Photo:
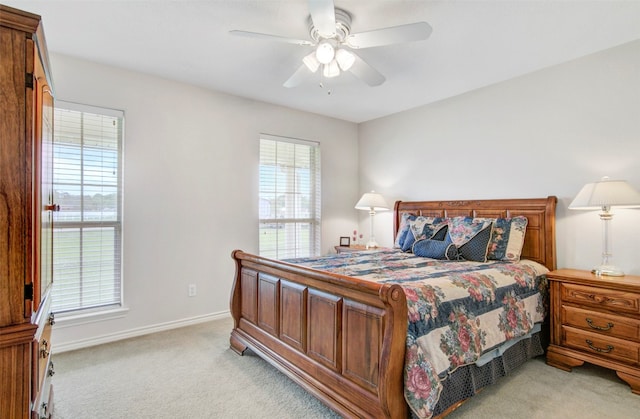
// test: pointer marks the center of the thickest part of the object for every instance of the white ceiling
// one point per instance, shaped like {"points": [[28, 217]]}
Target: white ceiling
{"points": [[474, 43]]}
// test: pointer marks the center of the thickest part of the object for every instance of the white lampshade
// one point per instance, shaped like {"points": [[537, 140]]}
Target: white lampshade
{"points": [[606, 193], [372, 201]]}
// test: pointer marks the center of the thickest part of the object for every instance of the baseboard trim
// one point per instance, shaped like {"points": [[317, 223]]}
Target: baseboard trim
{"points": [[140, 331]]}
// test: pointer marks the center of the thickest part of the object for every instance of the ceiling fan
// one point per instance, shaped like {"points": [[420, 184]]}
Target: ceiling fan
{"points": [[330, 33]]}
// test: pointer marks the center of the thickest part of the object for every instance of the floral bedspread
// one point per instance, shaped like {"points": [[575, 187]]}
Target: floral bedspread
{"points": [[458, 311]]}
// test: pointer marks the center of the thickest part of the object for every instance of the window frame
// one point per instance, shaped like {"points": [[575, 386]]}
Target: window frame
{"points": [[295, 223], [116, 306]]}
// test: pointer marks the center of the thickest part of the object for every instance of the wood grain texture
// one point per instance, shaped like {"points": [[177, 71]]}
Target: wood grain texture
{"points": [[26, 118], [15, 213], [595, 319]]}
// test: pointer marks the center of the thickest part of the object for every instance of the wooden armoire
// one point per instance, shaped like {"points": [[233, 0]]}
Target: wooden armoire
{"points": [[26, 206]]}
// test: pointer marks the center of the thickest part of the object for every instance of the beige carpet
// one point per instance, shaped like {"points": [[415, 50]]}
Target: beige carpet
{"points": [[192, 373]]}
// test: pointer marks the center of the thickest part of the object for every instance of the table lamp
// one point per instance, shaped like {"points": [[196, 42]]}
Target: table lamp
{"points": [[604, 195], [372, 202]]}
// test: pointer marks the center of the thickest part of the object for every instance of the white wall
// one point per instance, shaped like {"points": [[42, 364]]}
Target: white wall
{"points": [[546, 133], [190, 190]]}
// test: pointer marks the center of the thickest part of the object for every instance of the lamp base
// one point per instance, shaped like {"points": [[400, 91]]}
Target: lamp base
{"points": [[607, 270], [372, 244]]}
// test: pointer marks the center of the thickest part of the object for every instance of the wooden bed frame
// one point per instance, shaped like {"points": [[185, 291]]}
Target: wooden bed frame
{"points": [[342, 338]]}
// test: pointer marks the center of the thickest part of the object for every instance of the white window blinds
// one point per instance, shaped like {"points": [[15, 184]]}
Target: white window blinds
{"points": [[87, 182], [289, 208]]}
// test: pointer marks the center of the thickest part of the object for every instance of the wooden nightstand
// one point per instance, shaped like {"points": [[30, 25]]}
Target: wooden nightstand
{"points": [[595, 319], [352, 248]]}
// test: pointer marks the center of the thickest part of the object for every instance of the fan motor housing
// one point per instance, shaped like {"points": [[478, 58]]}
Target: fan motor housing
{"points": [[343, 27]]}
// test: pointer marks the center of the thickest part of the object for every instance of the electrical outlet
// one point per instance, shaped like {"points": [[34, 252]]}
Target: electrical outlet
{"points": [[192, 290]]}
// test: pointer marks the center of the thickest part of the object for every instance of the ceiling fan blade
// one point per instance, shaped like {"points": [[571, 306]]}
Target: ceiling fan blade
{"points": [[391, 35], [365, 72], [297, 77], [270, 37], [323, 16]]}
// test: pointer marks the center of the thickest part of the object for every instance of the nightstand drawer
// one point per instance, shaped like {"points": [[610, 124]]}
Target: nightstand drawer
{"points": [[603, 346], [602, 298], [606, 324]]}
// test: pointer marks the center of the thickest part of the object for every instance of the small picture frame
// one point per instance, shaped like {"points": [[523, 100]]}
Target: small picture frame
{"points": [[345, 241]]}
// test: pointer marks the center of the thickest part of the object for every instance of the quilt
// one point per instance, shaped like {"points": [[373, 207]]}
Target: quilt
{"points": [[458, 311]]}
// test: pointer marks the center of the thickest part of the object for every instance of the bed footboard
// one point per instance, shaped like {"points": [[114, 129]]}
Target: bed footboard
{"points": [[340, 338]]}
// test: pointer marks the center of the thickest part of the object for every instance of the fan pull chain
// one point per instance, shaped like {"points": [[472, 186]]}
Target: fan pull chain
{"points": [[321, 85]]}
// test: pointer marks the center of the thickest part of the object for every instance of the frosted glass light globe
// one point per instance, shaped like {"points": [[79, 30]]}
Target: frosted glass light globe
{"points": [[325, 52]]}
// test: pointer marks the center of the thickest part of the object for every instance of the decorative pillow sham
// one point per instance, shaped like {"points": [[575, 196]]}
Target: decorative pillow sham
{"points": [[422, 228], [426, 227], [436, 248], [507, 238], [462, 229], [403, 229], [408, 242], [475, 249]]}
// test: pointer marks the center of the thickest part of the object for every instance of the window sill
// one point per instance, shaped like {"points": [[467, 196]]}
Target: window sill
{"points": [[74, 319]]}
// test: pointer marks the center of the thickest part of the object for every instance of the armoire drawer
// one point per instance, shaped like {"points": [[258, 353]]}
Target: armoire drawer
{"points": [[43, 404], [43, 371], [42, 355]]}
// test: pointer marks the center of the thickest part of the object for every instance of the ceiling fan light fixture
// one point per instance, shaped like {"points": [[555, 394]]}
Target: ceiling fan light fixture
{"points": [[345, 59], [325, 52], [330, 35], [331, 69], [311, 62]]}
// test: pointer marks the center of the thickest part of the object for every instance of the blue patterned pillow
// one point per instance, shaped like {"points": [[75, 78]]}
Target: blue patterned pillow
{"points": [[475, 249], [462, 229], [436, 249], [403, 229], [422, 228], [408, 241], [426, 227], [507, 239]]}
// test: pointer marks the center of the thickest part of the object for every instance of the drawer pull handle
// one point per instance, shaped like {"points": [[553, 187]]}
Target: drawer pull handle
{"points": [[43, 351], [606, 351], [51, 370], [593, 326]]}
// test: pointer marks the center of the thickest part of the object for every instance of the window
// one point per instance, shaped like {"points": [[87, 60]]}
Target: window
{"points": [[87, 184], [289, 209]]}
